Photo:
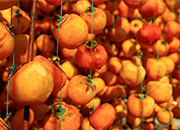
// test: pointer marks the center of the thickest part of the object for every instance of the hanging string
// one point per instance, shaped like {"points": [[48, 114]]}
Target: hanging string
{"points": [[60, 19], [92, 8], [59, 66], [12, 70]]}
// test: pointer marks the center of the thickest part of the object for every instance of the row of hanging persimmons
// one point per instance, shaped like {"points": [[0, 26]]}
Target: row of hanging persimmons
{"points": [[123, 65]]}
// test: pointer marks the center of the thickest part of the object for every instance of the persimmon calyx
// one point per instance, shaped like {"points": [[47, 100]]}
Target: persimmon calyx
{"points": [[61, 19], [17, 12], [9, 27], [56, 62], [59, 109], [141, 96], [90, 10], [5, 120], [88, 80], [91, 44]]}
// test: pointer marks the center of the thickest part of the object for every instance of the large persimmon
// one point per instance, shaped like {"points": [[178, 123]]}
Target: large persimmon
{"points": [[155, 68], [140, 105], [99, 19], [31, 84], [165, 116], [74, 27], [91, 59], [59, 76], [20, 19], [148, 35], [159, 91], [103, 116], [131, 73], [80, 89], [70, 118]]}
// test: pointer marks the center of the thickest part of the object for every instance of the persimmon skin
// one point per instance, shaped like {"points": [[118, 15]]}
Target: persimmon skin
{"points": [[84, 58], [75, 30], [99, 20], [7, 43], [70, 121], [32, 84], [137, 109], [59, 76], [5, 4], [148, 35], [103, 116], [135, 3], [54, 2], [79, 91]]}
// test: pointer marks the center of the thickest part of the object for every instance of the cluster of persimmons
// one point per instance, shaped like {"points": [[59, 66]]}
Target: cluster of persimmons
{"points": [[96, 65]]}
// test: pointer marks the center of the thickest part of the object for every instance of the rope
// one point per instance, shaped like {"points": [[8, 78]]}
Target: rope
{"points": [[91, 54], [12, 70], [59, 66]]}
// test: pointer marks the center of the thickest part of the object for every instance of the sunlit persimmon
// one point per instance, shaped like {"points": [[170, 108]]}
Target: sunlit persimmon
{"points": [[44, 43], [99, 19], [115, 65], [103, 116], [82, 86], [135, 25], [160, 48], [159, 91], [136, 105], [164, 116], [74, 27], [70, 118], [81, 5], [132, 74], [20, 19], [31, 84], [59, 76], [155, 68]]}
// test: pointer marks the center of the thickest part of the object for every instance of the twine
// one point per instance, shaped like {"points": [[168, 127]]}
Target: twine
{"points": [[59, 66], [12, 70]]}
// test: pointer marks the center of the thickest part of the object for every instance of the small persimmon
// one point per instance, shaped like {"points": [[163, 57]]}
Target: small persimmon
{"points": [[115, 65], [164, 116], [109, 77], [133, 121], [69, 69], [99, 83], [115, 92], [80, 6], [170, 65]]}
